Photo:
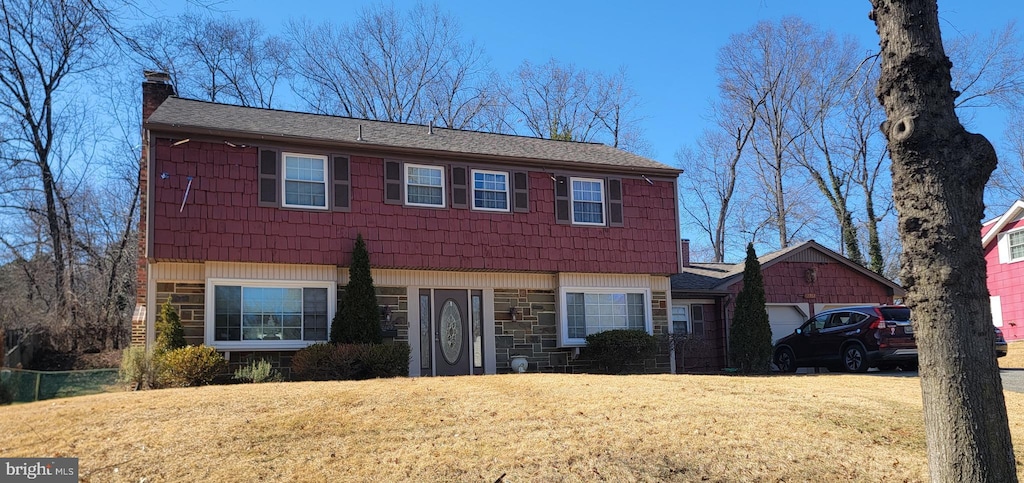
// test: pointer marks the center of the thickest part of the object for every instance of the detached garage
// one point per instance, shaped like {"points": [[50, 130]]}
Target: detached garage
{"points": [[799, 281]]}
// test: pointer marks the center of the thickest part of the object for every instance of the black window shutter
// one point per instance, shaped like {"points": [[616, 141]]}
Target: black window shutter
{"points": [[342, 184], [460, 187], [520, 192], [268, 178], [614, 202], [393, 182], [562, 213]]}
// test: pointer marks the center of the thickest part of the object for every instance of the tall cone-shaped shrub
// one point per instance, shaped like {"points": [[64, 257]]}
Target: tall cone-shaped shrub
{"points": [[358, 319], [750, 339], [170, 334]]}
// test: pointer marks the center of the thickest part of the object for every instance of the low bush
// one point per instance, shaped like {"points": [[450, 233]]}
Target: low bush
{"points": [[614, 350], [314, 363], [327, 362], [257, 372], [139, 367], [387, 360], [191, 366]]}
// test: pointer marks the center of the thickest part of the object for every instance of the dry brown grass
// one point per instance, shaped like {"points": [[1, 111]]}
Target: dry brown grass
{"points": [[533, 427], [1014, 358]]}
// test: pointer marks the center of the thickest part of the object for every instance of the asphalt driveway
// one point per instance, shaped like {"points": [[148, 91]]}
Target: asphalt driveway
{"points": [[1013, 379]]}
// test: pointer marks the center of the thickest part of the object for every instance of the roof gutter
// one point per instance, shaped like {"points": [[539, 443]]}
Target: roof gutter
{"points": [[158, 128]]}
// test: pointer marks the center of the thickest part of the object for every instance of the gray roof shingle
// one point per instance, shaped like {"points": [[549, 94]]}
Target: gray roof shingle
{"points": [[185, 115]]}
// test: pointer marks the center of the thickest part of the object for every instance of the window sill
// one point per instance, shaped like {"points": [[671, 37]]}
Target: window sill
{"points": [[261, 345]]}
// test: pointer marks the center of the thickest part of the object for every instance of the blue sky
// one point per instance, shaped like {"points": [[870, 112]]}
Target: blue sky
{"points": [[669, 48]]}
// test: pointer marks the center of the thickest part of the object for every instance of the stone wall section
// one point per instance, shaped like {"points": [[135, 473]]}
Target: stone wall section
{"points": [[189, 299], [532, 332]]}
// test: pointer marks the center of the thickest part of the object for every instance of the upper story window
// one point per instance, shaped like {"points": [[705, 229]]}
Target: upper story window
{"points": [[1016, 243], [587, 201], [490, 190], [424, 185], [305, 181]]}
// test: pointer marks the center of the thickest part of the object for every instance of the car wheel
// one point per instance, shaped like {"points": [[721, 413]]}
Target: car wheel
{"points": [[854, 358], [785, 360]]}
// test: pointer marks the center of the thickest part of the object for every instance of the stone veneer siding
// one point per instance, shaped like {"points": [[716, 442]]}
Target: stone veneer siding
{"points": [[189, 299], [534, 334]]}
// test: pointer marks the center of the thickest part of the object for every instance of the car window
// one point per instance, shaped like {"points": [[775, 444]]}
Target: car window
{"points": [[839, 319], [818, 323], [898, 314]]}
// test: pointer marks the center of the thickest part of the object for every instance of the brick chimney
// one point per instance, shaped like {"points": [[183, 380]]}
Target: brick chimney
{"points": [[155, 90], [684, 248]]}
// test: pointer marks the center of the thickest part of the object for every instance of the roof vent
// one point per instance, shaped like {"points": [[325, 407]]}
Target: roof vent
{"points": [[360, 138]]}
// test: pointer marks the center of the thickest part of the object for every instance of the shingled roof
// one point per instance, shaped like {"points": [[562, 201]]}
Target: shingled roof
{"points": [[190, 116], [717, 277]]}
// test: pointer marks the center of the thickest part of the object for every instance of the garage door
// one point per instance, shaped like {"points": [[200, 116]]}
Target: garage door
{"points": [[784, 319]]}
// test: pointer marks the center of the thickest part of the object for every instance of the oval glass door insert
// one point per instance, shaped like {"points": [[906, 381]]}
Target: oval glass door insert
{"points": [[451, 331]]}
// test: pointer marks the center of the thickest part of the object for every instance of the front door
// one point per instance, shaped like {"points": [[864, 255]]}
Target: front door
{"points": [[452, 333]]}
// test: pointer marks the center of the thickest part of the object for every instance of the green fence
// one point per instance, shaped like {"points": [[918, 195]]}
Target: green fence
{"points": [[29, 386]]}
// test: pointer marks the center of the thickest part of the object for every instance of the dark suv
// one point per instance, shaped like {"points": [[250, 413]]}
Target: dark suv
{"points": [[856, 338], [851, 338]]}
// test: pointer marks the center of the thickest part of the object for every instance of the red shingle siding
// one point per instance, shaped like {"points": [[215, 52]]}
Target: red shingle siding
{"points": [[222, 222], [833, 283], [1004, 281]]}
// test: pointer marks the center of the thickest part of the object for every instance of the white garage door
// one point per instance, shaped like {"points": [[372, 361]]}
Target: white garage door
{"points": [[784, 319]]}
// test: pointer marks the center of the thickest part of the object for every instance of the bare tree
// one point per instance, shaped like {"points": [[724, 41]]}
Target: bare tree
{"points": [[861, 145], [388, 66], [713, 170], [769, 62], [830, 68], [561, 101], [554, 100], [43, 46], [1008, 179], [219, 59], [939, 173]]}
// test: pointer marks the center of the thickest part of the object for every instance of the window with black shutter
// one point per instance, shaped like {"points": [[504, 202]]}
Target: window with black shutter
{"points": [[520, 192], [614, 202], [342, 184], [268, 178], [393, 182], [562, 212], [460, 188]]}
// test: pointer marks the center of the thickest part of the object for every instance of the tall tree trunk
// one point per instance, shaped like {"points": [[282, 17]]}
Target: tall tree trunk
{"points": [[876, 263], [939, 171]]}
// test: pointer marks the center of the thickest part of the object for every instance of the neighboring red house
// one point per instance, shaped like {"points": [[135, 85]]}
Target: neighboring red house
{"points": [[1002, 239], [799, 282], [483, 246]]}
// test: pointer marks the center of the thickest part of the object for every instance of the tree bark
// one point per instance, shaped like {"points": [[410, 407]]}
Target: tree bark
{"points": [[939, 171]]}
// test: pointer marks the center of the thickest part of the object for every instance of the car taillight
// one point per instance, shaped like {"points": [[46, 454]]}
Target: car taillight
{"points": [[877, 324]]}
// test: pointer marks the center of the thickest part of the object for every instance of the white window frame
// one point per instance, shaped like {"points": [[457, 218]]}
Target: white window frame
{"points": [[1009, 244], [563, 325], [508, 198], [406, 184], [685, 320], [211, 312], [284, 181], [572, 201]]}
